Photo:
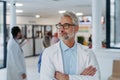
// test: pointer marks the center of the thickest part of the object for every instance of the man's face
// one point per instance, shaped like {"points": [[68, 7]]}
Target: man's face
{"points": [[19, 36], [68, 29]]}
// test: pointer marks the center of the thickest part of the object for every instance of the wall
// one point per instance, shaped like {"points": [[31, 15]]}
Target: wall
{"points": [[105, 59], [28, 47], [33, 20], [3, 74]]}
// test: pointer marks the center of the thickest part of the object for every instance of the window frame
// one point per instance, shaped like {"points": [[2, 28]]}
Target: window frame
{"points": [[108, 25], [4, 35]]}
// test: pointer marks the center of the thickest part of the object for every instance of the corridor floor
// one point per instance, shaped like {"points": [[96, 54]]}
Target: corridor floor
{"points": [[32, 69]]}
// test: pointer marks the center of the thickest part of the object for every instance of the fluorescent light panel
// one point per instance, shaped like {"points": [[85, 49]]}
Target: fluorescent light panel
{"points": [[17, 4], [62, 11], [19, 11], [79, 14], [37, 16]]}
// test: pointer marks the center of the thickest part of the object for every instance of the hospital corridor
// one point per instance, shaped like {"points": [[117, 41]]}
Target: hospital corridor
{"points": [[59, 40]]}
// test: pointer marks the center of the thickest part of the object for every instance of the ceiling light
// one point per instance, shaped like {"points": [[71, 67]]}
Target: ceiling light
{"points": [[56, 0], [17, 4], [63, 11], [37, 16], [19, 11], [79, 14]]}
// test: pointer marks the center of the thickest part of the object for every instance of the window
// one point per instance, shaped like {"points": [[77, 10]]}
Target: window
{"points": [[112, 23], [2, 34]]}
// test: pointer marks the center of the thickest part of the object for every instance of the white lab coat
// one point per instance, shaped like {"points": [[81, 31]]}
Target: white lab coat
{"points": [[15, 61], [52, 61]]}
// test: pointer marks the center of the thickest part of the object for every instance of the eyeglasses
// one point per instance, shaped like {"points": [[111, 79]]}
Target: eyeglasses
{"points": [[65, 26]]}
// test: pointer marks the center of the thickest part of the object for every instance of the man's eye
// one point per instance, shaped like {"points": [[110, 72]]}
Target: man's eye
{"points": [[66, 24]]}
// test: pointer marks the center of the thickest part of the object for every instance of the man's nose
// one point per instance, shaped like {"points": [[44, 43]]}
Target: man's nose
{"points": [[61, 29]]}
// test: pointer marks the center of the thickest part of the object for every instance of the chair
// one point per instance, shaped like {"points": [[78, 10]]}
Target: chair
{"points": [[116, 71]]}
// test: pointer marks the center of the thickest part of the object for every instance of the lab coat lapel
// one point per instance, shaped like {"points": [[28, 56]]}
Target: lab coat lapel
{"points": [[60, 61], [80, 58]]}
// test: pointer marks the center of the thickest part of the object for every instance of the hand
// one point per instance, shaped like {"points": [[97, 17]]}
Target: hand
{"points": [[61, 76], [90, 71], [24, 76]]}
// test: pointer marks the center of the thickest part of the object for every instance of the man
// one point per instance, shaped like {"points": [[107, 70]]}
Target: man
{"points": [[68, 60], [16, 69]]}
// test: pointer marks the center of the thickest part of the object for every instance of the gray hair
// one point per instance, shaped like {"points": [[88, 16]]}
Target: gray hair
{"points": [[72, 16]]}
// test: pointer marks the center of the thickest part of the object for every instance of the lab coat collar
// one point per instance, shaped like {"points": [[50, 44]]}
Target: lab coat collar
{"points": [[64, 47]]}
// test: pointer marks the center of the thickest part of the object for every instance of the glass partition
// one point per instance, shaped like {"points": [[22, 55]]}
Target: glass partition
{"points": [[112, 23], [2, 34]]}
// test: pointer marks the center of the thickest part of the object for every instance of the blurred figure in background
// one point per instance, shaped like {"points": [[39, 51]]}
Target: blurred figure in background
{"points": [[16, 69], [90, 41], [47, 39], [55, 38], [46, 43]]}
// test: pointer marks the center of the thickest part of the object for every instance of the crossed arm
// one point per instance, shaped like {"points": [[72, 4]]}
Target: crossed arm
{"points": [[48, 71], [90, 71]]}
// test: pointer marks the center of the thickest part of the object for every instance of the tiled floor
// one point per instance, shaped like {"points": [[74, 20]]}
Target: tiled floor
{"points": [[31, 65]]}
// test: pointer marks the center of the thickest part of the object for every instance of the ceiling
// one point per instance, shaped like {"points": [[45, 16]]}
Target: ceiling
{"points": [[50, 8]]}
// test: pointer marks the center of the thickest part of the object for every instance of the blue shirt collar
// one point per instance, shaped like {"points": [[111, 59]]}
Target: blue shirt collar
{"points": [[64, 47]]}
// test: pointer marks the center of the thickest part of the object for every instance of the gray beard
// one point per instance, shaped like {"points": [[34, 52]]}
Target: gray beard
{"points": [[67, 37]]}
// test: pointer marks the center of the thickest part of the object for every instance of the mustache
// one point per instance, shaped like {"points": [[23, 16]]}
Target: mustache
{"points": [[62, 32]]}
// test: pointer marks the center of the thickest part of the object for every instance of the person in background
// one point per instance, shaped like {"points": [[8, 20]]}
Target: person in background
{"points": [[46, 43], [90, 41], [67, 59], [55, 38], [47, 39], [16, 69]]}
